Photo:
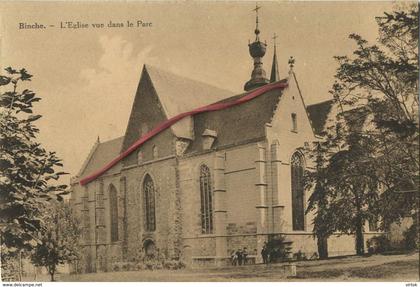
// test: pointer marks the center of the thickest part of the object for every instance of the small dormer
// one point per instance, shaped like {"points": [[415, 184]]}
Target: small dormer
{"points": [[209, 136]]}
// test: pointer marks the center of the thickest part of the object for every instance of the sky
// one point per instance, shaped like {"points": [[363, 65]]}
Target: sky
{"points": [[87, 77]]}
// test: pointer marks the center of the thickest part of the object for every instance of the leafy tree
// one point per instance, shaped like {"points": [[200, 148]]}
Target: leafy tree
{"points": [[59, 239], [383, 78], [26, 168], [367, 165], [345, 188], [316, 180]]}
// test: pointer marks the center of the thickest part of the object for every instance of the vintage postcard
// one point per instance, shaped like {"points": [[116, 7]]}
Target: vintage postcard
{"points": [[210, 141]]}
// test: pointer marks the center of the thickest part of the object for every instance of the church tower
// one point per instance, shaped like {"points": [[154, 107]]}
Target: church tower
{"points": [[274, 67], [257, 51]]}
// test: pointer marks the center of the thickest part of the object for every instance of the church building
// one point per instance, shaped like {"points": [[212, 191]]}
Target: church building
{"points": [[210, 183]]}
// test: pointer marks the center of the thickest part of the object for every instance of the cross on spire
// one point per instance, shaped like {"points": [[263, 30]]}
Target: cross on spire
{"points": [[256, 8], [257, 31], [274, 67], [257, 51], [274, 38]]}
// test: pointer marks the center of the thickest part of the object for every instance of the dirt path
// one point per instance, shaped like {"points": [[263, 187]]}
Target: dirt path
{"points": [[353, 268]]}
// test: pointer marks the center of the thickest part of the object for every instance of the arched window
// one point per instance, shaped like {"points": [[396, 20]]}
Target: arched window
{"points": [[206, 198], [113, 207], [149, 203], [298, 206]]}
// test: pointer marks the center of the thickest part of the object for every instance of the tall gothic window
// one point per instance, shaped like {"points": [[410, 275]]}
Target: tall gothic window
{"points": [[113, 207], [206, 198], [149, 203], [294, 122], [298, 207]]}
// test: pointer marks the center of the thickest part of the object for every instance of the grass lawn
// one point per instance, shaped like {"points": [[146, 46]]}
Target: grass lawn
{"points": [[403, 267]]}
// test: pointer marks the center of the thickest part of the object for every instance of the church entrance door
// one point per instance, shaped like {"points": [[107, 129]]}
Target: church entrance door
{"points": [[149, 248]]}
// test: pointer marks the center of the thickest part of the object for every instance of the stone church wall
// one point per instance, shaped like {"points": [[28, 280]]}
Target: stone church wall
{"points": [[189, 172], [163, 173], [240, 199]]}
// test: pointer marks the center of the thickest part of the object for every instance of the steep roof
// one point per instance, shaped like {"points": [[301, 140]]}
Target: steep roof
{"points": [[178, 94], [356, 117], [318, 114], [238, 124], [103, 154]]}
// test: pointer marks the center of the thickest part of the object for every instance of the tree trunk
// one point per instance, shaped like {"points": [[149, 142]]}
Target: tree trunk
{"points": [[360, 243], [51, 270], [322, 242]]}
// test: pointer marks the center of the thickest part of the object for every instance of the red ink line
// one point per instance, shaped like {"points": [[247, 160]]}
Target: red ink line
{"points": [[164, 125]]}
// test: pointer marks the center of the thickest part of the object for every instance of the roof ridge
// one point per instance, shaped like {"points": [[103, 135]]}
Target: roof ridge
{"points": [[303, 102], [322, 102], [243, 93], [158, 69], [111, 140], [88, 158]]}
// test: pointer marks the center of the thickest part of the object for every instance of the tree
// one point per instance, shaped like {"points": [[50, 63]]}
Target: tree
{"points": [[345, 192], [316, 180], [59, 239], [26, 168], [367, 165], [383, 78]]}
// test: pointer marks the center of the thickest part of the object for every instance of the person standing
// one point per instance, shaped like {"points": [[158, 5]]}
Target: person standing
{"points": [[239, 256], [233, 258], [264, 253], [244, 255]]}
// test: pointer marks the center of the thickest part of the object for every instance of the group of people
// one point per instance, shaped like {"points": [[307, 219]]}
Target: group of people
{"points": [[239, 257]]}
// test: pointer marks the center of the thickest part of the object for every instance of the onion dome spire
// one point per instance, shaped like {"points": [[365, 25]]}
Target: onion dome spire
{"points": [[274, 67], [257, 51]]}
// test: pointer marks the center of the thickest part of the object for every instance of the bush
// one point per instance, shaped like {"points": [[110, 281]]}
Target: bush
{"points": [[411, 239], [147, 264], [140, 266], [173, 264], [123, 266], [278, 249], [378, 244], [299, 256]]}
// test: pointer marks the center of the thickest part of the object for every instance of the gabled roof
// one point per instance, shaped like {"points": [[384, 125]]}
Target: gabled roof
{"points": [[235, 125], [356, 118], [318, 114], [178, 94], [103, 154], [238, 124]]}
